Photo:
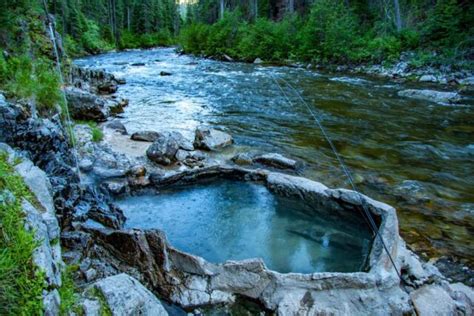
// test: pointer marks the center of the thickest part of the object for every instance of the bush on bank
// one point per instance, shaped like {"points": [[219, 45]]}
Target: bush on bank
{"points": [[333, 33]]}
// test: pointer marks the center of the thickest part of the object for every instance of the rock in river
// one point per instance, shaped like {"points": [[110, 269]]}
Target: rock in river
{"points": [[276, 160], [431, 95], [211, 139], [163, 149], [145, 136], [85, 105]]}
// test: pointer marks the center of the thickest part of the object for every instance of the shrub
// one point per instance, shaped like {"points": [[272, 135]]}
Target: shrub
{"points": [[194, 38], [329, 34], [91, 39]]}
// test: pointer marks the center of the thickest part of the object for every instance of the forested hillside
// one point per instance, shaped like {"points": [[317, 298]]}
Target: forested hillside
{"points": [[338, 31]]}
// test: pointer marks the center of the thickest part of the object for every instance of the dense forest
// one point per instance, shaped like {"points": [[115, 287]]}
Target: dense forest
{"points": [[337, 31]]}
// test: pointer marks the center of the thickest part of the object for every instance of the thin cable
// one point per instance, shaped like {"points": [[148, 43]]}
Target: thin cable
{"points": [[61, 81], [346, 171]]}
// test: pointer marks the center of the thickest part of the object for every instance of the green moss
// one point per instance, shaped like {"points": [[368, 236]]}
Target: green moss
{"points": [[21, 284]]}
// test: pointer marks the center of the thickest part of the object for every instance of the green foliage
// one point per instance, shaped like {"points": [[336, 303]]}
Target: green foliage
{"points": [[148, 40], [91, 39], [67, 291], [330, 32], [21, 284], [335, 31], [97, 134], [443, 25], [26, 79]]}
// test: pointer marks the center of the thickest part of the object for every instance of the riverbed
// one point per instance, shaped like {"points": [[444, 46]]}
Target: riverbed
{"points": [[415, 155]]}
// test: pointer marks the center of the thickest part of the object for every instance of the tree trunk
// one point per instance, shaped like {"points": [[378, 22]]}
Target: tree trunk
{"points": [[398, 18], [291, 6], [221, 9]]}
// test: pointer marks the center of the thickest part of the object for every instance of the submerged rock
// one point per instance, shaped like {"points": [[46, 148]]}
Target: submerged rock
{"points": [[124, 295], [211, 139], [431, 95], [165, 73]]}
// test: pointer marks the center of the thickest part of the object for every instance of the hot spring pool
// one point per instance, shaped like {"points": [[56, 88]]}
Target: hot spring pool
{"points": [[233, 220]]}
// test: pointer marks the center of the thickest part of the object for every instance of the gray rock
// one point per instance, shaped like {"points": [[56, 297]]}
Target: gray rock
{"points": [[469, 81], [428, 78], [3, 101], [145, 136], [116, 125], [84, 105], [108, 173], [431, 95], [211, 139], [91, 307], [165, 73], [116, 187], [433, 300], [38, 183], [181, 155], [52, 303], [227, 58], [163, 150], [183, 142], [126, 296], [258, 61], [86, 165], [277, 161], [242, 159]]}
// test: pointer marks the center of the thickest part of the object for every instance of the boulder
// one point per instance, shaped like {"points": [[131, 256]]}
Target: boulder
{"points": [[124, 295], [107, 88], [277, 161], [211, 139], [431, 95], [86, 165], [165, 73], [227, 58], [258, 61], [433, 300], [117, 126], [242, 159], [84, 105], [163, 150], [428, 78], [145, 136]]}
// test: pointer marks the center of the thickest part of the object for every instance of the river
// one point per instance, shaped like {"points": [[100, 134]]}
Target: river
{"points": [[415, 155]]}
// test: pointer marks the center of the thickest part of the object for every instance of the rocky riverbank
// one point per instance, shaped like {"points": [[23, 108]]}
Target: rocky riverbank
{"points": [[112, 260]]}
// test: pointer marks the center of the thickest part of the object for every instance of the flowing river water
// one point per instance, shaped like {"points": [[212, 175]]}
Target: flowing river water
{"points": [[415, 155]]}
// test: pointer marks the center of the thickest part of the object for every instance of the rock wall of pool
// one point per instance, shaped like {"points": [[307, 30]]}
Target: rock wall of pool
{"points": [[285, 241]]}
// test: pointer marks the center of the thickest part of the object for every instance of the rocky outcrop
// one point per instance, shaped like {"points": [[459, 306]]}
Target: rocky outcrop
{"points": [[84, 105], [431, 95], [94, 81], [126, 296], [40, 219], [211, 139]]}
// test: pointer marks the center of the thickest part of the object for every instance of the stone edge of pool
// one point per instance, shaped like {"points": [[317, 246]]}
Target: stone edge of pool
{"points": [[191, 281]]}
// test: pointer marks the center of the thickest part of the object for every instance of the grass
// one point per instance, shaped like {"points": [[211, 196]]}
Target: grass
{"points": [[21, 284], [97, 134], [104, 307], [68, 291]]}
